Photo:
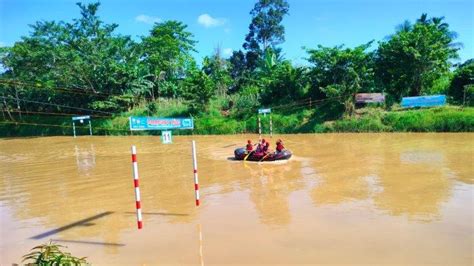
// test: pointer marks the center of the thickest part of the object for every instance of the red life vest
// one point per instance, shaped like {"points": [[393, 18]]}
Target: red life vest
{"points": [[279, 147], [249, 147]]}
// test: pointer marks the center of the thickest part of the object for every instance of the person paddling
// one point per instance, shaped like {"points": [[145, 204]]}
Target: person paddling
{"points": [[249, 146], [260, 148], [266, 148], [279, 146]]}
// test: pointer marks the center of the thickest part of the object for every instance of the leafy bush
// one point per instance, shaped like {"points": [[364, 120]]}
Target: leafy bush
{"points": [[50, 254], [462, 78], [212, 125], [245, 102], [444, 119]]}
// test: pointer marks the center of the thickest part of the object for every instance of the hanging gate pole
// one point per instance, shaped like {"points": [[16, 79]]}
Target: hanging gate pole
{"points": [[137, 188], [74, 128], [196, 181], [271, 127], [259, 128]]}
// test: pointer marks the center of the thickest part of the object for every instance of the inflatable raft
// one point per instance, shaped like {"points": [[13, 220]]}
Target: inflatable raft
{"points": [[241, 153]]}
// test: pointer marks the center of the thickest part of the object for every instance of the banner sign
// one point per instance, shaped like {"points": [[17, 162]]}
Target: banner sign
{"points": [[370, 98], [166, 137], [156, 123], [75, 118], [423, 101], [264, 111]]}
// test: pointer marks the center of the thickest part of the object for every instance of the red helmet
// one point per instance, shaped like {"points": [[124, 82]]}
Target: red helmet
{"points": [[267, 144], [263, 141], [249, 141]]}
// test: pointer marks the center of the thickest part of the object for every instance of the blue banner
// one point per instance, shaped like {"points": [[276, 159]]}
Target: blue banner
{"points": [[423, 101], [156, 123]]}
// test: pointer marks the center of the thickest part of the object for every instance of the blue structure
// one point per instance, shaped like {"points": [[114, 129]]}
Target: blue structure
{"points": [[81, 120], [156, 123], [423, 101]]}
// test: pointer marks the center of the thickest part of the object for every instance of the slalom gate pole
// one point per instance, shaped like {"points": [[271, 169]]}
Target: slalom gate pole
{"points": [[196, 180], [137, 188], [74, 128], [259, 129], [271, 127], [90, 128]]}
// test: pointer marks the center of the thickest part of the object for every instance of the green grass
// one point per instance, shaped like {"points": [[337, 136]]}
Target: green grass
{"points": [[442, 119], [370, 119]]}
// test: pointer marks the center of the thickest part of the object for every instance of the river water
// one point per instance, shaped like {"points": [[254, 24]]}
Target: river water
{"points": [[358, 199]]}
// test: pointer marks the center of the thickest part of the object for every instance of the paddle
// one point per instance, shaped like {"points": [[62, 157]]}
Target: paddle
{"points": [[248, 155], [265, 156]]}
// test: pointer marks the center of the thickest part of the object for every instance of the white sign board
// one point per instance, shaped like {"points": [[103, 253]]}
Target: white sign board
{"points": [[81, 118], [264, 111], [166, 137]]}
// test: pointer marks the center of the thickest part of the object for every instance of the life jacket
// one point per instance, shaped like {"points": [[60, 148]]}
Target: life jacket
{"points": [[265, 148], [280, 147], [249, 147]]}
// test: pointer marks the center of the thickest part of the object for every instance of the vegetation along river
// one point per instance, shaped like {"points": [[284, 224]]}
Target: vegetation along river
{"points": [[397, 199]]}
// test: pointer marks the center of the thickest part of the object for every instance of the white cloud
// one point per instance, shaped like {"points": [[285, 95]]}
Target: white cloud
{"points": [[147, 19], [227, 51], [207, 21]]}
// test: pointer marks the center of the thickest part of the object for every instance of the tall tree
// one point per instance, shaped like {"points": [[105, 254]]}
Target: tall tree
{"points": [[199, 89], [341, 72], [415, 57], [167, 51], [266, 29], [285, 83], [84, 55], [217, 68], [462, 85]]}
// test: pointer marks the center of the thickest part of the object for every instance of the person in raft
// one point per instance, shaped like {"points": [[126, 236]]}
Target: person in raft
{"points": [[249, 146], [260, 148], [279, 146], [266, 148]]}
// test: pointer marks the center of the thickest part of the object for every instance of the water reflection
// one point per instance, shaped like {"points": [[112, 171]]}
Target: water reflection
{"points": [[402, 176], [344, 167], [85, 158], [415, 185], [270, 189]]}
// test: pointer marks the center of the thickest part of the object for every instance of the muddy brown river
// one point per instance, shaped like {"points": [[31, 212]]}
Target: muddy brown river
{"points": [[342, 199]]}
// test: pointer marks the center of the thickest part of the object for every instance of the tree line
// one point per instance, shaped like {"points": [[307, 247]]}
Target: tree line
{"points": [[85, 63]]}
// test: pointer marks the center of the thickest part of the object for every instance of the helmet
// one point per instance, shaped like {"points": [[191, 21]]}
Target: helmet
{"points": [[279, 141], [267, 144], [249, 141], [263, 141]]}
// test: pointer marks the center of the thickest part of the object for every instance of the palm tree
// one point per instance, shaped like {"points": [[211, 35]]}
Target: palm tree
{"points": [[423, 19], [404, 27]]}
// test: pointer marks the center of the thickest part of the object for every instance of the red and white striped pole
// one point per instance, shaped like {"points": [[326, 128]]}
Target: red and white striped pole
{"points": [[196, 180], [137, 188]]}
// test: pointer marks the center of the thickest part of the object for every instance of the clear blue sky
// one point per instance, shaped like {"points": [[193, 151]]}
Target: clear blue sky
{"points": [[225, 22]]}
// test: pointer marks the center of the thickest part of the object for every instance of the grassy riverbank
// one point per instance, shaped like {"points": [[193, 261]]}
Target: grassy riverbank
{"points": [[442, 119]]}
